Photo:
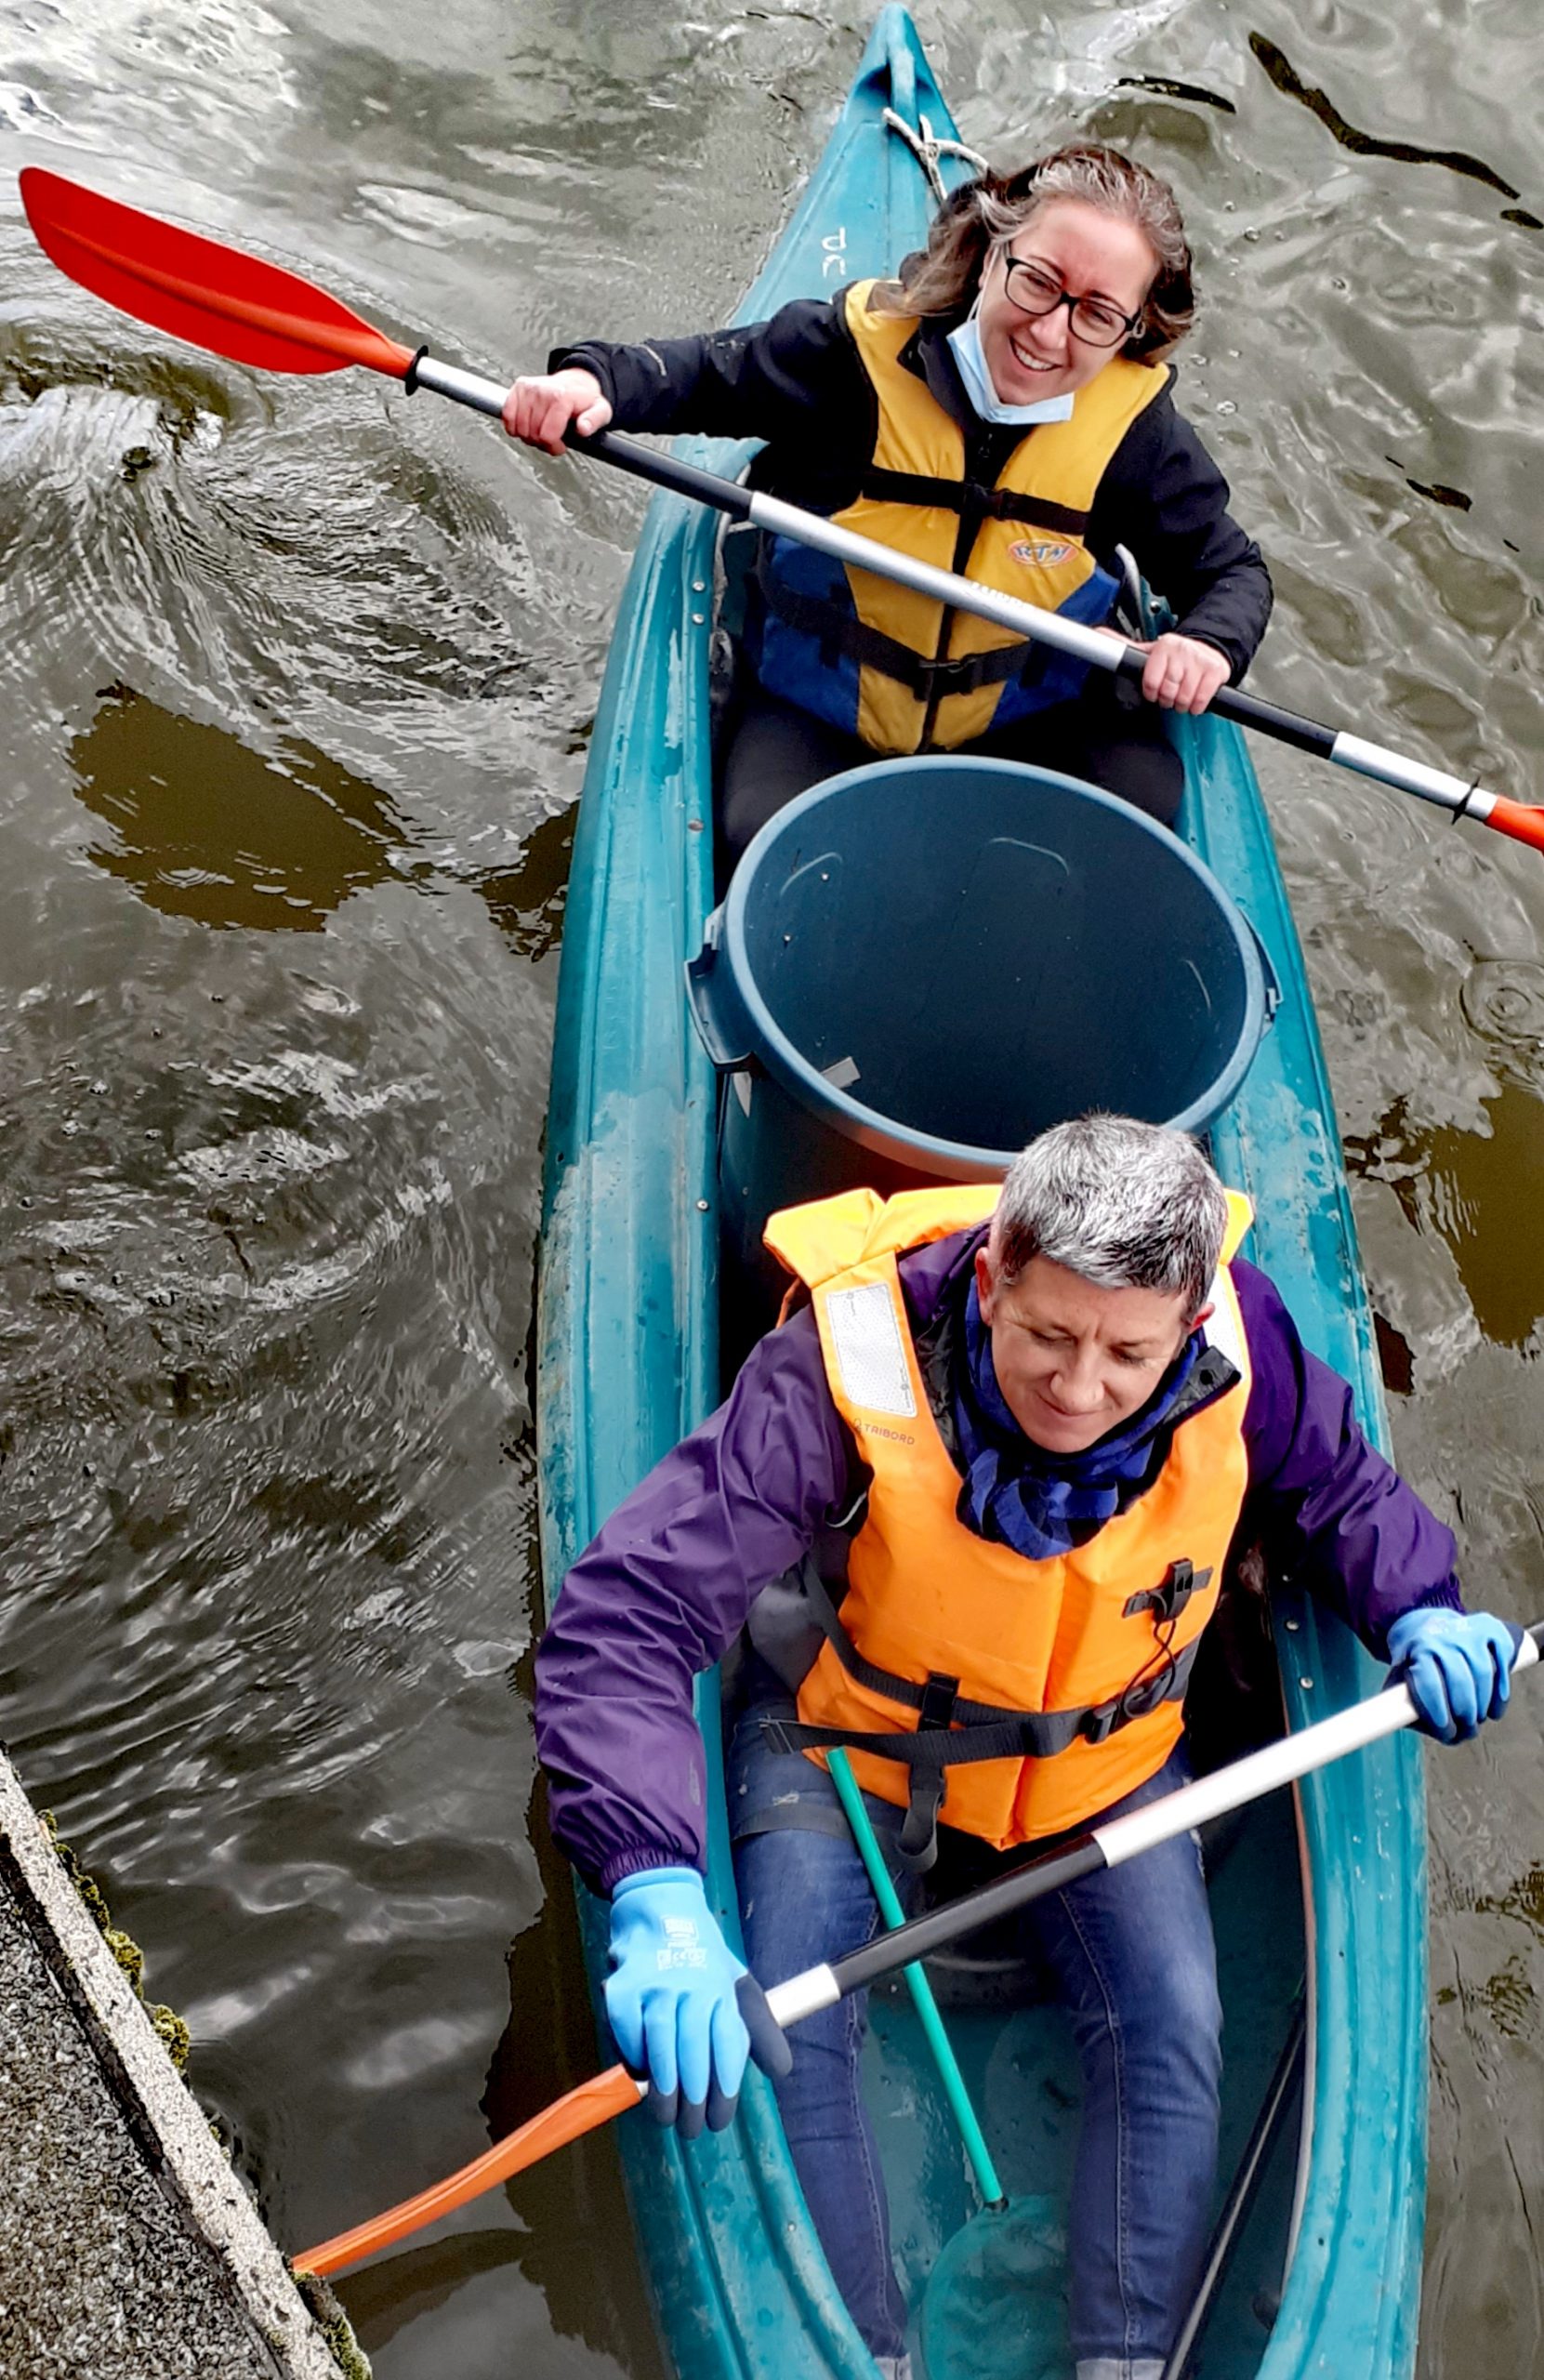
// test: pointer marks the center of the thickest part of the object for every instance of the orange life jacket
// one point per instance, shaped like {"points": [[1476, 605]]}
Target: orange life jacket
{"points": [[1024, 1695]]}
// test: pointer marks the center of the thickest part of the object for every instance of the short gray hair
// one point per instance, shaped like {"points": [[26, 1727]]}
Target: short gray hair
{"points": [[1124, 1205]]}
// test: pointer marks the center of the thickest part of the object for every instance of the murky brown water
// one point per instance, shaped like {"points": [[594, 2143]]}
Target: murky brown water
{"points": [[297, 681]]}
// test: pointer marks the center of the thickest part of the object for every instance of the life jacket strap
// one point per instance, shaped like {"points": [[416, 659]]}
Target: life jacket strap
{"points": [[1012, 1735], [839, 633], [954, 1732], [970, 497]]}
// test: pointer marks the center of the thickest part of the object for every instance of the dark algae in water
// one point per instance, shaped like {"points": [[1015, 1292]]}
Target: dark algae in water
{"points": [[1369, 144]]}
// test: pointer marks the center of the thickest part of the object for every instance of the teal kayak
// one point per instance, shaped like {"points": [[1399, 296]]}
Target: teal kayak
{"points": [[1328, 1892]]}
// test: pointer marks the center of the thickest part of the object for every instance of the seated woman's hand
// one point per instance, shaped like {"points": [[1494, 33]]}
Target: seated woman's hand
{"points": [[682, 2007], [1458, 1666], [540, 409], [1182, 673]]}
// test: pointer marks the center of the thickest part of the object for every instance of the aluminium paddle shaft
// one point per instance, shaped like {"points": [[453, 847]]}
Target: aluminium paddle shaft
{"points": [[1117, 1840], [240, 305], [595, 2102], [1463, 797]]}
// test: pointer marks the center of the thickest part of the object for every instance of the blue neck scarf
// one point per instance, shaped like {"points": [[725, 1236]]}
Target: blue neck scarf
{"points": [[1016, 1494]]}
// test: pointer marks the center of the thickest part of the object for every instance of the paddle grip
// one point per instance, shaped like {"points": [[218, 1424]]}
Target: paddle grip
{"points": [[1249, 710]]}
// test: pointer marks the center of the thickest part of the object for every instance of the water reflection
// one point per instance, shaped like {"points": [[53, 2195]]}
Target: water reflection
{"points": [[210, 74], [527, 902], [1453, 1180], [188, 530], [572, 2205], [386, 2296], [1170, 89], [205, 828], [1473, 1177]]}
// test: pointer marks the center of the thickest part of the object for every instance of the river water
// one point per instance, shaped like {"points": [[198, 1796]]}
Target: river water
{"points": [[297, 679]]}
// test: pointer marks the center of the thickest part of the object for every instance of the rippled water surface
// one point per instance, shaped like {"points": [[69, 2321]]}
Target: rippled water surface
{"points": [[297, 680]]}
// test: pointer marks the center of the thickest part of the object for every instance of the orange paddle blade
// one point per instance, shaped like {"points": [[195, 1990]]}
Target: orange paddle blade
{"points": [[212, 295], [578, 2111], [1519, 819]]}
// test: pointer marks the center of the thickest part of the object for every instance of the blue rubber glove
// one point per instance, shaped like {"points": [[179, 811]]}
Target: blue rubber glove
{"points": [[1458, 1666], [679, 2001]]}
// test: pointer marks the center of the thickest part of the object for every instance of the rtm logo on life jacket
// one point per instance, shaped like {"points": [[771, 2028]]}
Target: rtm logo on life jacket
{"points": [[1039, 553]]}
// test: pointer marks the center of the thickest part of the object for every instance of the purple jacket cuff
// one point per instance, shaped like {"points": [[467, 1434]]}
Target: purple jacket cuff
{"points": [[1446, 1597], [623, 1864]]}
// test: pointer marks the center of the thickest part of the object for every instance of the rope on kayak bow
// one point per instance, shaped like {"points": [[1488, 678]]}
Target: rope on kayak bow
{"points": [[928, 149]]}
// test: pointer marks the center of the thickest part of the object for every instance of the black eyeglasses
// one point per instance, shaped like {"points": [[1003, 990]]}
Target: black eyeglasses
{"points": [[1094, 320]]}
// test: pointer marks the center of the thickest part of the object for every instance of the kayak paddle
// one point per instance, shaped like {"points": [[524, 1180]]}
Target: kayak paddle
{"points": [[254, 313], [1110, 1845]]}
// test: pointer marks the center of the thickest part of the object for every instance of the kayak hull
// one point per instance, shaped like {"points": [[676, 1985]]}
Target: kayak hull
{"points": [[627, 1362]]}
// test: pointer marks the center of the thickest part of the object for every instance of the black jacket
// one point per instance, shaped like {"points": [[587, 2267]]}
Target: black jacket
{"points": [[796, 381]]}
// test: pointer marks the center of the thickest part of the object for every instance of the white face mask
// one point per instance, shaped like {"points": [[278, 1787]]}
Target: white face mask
{"points": [[966, 348]]}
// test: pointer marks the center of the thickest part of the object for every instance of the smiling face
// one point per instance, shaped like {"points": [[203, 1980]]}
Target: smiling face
{"points": [[1075, 1361], [1089, 254]]}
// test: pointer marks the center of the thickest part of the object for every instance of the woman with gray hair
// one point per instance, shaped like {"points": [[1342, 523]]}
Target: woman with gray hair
{"points": [[1003, 408], [1121, 1204], [967, 1514]]}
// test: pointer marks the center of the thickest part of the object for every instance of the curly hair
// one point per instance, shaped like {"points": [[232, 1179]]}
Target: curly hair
{"points": [[943, 278]]}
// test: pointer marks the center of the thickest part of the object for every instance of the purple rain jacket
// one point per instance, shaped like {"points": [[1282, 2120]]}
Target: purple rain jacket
{"points": [[665, 1589]]}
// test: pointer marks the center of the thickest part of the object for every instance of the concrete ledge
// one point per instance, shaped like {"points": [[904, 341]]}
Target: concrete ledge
{"points": [[129, 2249]]}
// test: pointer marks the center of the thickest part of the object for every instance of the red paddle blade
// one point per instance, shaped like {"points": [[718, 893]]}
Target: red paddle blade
{"points": [[212, 295], [1518, 819], [582, 2110]]}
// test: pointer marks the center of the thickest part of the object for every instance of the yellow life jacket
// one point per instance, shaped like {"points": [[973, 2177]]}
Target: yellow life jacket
{"points": [[1023, 1696], [899, 670]]}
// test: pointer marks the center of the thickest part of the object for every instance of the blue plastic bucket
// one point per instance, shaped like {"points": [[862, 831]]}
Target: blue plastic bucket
{"points": [[923, 963]]}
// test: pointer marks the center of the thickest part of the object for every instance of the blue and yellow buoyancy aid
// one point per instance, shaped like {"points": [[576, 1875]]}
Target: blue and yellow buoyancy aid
{"points": [[898, 669]]}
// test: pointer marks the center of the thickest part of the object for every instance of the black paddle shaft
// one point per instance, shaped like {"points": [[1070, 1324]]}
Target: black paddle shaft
{"points": [[1115, 1840], [739, 504], [939, 1927]]}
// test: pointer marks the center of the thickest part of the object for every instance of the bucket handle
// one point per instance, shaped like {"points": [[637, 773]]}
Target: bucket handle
{"points": [[1267, 969], [716, 1008]]}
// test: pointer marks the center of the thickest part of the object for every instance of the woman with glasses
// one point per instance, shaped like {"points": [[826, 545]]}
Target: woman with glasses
{"points": [[1002, 409]]}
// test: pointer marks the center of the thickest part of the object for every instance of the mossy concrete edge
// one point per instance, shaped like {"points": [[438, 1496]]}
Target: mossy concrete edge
{"points": [[217, 2205]]}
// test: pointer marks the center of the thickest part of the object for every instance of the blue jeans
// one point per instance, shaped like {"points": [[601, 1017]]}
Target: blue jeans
{"points": [[1131, 1957]]}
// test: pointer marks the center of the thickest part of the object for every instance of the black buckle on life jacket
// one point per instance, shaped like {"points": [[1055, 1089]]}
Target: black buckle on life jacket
{"points": [[919, 1843], [1168, 1598], [1141, 1696], [917, 1848], [1096, 1727], [962, 676], [939, 1697]]}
